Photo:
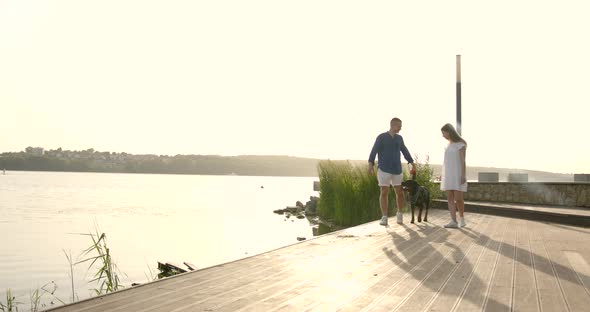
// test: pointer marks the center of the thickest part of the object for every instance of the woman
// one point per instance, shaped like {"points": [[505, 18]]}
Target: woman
{"points": [[454, 180]]}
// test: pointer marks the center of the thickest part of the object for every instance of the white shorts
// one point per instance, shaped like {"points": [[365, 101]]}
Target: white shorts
{"points": [[387, 179]]}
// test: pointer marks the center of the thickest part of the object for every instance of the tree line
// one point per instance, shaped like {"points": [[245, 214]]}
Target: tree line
{"points": [[179, 164]]}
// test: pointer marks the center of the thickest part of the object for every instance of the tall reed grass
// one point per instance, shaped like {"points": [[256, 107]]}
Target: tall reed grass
{"points": [[350, 196], [107, 273], [106, 276], [37, 295], [11, 304], [425, 177]]}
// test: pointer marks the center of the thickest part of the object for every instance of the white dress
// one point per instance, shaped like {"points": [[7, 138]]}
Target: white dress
{"points": [[451, 169]]}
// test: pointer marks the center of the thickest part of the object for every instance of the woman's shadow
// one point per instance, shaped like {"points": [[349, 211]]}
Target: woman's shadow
{"points": [[430, 252]]}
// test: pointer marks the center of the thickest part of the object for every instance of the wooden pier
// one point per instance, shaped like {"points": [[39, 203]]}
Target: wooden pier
{"points": [[496, 263]]}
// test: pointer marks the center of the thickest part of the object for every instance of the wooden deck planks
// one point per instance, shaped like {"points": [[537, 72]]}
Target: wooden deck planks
{"points": [[464, 284], [241, 283], [358, 279], [253, 295], [549, 291], [525, 296], [575, 296], [406, 264], [496, 264], [500, 291], [477, 289], [346, 280], [450, 277], [234, 281]]}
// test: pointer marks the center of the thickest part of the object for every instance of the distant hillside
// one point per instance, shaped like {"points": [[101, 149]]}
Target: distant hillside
{"points": [[94, 161], [472, 173], [534, 176]]}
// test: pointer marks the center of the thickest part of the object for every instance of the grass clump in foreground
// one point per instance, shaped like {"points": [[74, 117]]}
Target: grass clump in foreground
{"points": [[11, 303], [350, 196], [106, 276]]}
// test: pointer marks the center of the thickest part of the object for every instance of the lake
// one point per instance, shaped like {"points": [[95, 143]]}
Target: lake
{"points": [[203, 220]]}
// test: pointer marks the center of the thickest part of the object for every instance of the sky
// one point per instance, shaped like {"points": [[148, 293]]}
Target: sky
{"points": [[318, 79]]}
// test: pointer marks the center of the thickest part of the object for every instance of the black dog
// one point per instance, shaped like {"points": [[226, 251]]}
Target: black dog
{"points": [[419, 196]]}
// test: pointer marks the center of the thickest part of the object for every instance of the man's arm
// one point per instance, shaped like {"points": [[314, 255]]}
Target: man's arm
{"points": [[373, 154], [407, 155]]}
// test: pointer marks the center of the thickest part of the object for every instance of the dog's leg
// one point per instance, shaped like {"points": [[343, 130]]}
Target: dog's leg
{"points": [[412, 207], [426, 214], [420, 213]]}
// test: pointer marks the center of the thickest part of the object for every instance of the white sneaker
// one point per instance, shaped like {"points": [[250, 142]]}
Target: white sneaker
{"points": [[383, 220], [452, 224], [400, 218], [462, 222]]}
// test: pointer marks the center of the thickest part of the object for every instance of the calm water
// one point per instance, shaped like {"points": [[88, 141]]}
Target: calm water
{"points": [[204, 220]]}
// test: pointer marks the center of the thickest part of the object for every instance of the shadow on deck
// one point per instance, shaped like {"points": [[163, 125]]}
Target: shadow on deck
{"points": [[494, 264], [577, 216]]}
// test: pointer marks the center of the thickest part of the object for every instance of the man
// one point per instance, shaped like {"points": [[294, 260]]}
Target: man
{"points": [[388, 146]]}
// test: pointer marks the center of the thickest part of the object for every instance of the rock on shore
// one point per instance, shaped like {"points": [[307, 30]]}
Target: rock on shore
{"points": [[300, 211]]}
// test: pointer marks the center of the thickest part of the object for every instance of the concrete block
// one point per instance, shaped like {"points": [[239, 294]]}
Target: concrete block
{"points": [[316, 186], [488, 177], [518, 177], [581, 177]]}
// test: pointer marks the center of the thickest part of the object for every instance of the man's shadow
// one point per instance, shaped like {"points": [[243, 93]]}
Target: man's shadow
{"points": [[430, 248]]}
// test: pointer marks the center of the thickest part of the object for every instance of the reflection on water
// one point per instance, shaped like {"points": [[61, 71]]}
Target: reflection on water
{"points": [[321, 229], [203, 220]]}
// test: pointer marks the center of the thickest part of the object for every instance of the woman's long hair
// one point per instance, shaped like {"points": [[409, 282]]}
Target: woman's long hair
{"points": [[454, 136]]}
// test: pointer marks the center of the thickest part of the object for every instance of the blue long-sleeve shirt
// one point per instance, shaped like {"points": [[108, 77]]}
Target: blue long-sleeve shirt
{"points": [[388, 149]]}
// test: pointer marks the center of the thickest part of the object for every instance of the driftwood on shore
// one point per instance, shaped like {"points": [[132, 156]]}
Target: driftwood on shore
{"points": [[169, 269]]}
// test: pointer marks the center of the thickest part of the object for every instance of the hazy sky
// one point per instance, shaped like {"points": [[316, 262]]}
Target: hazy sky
{"points": [[314, 78]]}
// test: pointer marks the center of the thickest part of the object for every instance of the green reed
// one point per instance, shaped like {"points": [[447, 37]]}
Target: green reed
{"points": [[11, 304], [425, 177], [37, 295], [35, 299], [71, 273], [350, 196], [106, 275]]}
